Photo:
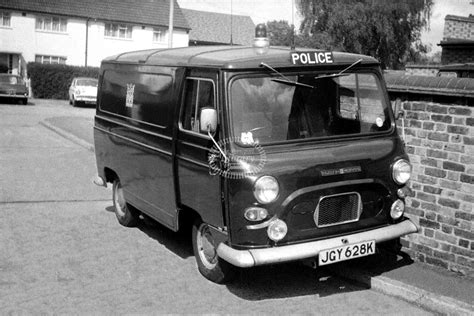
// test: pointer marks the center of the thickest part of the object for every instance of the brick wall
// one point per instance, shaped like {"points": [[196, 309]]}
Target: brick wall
{"points": [[439, 137], [458, 27], [458, 40], [456, 55]]}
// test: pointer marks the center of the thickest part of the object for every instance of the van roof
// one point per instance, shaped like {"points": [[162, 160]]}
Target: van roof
{"points": [[228, 57]]}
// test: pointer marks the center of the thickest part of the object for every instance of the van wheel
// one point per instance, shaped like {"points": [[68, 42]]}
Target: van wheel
{"points": [[125, 214], [209, 264]]}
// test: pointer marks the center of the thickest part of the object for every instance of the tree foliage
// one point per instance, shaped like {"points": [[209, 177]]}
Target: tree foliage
{"points": [[279, 33], [385, 29]]}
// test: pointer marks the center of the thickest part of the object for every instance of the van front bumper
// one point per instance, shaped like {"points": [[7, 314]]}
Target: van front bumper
{"points": [[255, 257]]}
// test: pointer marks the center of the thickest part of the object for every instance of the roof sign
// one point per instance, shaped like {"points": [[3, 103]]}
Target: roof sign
{"points": [[311, 58]]}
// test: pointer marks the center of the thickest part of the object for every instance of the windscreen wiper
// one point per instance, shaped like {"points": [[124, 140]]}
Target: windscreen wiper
{"points": [[340, 73], [284, 79]]}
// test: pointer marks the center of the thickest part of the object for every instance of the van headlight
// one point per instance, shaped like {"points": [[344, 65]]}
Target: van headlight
{"points": [[266, 189], [397, 209], [401, 171], [277, 230]]}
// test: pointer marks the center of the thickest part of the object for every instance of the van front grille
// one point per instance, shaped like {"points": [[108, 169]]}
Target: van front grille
{"points": [[338, 209]]}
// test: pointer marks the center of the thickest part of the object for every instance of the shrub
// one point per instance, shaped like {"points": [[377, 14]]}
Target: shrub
{"points": [[53, 81]]}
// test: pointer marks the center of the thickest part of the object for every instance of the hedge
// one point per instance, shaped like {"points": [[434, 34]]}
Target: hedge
{"points": [[53, 81]]}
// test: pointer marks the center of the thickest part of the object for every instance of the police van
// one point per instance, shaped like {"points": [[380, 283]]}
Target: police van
{"points": [[273, 154]]}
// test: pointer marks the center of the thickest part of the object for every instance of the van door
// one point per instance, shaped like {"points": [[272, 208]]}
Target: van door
{"points": [[197, 188]]}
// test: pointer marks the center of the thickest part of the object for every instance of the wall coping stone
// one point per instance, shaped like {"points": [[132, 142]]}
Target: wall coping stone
{"points": [[440, 86]]}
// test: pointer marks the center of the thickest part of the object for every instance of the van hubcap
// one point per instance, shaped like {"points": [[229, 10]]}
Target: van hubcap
{"points": [[206, 249], [119, 200]]}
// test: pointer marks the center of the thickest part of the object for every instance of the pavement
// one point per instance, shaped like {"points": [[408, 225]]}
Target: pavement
{"points": [[433, 288]]}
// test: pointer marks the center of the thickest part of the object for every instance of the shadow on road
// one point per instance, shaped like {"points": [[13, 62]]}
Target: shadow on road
{"points": [[366, 268], [295, 279], [14, 101], [288, 280], [179, 243], [285, 280], [259, 283]]}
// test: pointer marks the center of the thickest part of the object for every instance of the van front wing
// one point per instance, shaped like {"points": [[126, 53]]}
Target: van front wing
{"points": [[255, 257]]}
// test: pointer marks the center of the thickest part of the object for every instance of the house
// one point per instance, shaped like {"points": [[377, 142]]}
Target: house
{"points": [[457, 50], [210, 28], [458, 40], [83, 32]]}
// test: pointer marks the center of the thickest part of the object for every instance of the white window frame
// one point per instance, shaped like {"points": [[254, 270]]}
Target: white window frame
{"points": [[117, 30], [47, 59], [159, 35], [51, 24], [5, 19]]}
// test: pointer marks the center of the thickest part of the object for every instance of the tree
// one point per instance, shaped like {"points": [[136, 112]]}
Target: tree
{"points": [[385, 29], [279, 33]]}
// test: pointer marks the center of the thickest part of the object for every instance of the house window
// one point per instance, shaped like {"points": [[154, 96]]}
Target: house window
{"points": [[51, 24], [118, 30], [44, 59], [159, 35], [5, 18]]}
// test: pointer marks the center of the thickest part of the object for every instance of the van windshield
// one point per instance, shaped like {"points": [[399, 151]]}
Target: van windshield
{"points": [[266, 109]]}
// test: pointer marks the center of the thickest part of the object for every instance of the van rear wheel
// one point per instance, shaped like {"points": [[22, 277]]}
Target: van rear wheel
{"points": [[126, 215], [209, 264]]}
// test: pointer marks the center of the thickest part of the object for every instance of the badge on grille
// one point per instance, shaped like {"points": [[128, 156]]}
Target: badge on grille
{"points": [[334, 172]]}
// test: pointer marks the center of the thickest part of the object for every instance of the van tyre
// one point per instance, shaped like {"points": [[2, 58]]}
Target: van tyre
{"points": [[126, 215], [209, 264]]}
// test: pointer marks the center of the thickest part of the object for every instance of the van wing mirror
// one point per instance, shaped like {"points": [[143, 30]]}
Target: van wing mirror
{"points": [[398, 111], [208, 120], [399, 114]]}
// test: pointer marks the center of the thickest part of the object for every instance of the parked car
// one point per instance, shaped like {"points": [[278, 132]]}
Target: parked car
{"points": [[13, 87], [83, 91]]}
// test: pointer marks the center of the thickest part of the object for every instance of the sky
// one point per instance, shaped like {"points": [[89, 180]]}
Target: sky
{"points": [[262, 11]]}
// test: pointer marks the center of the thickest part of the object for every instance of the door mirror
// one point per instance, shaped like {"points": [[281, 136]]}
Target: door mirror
{"points": [[398, 110], [208, 120]]}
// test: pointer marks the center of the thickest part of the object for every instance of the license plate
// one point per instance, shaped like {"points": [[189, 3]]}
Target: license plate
{"points": [[347, 252]]}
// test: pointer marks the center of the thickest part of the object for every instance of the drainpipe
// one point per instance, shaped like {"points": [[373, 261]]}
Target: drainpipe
{"points": [[87, 41], [170, 29]]}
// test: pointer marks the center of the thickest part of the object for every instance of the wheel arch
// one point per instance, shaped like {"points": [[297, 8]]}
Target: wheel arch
{"points": [[186, 218], [110, 175]]}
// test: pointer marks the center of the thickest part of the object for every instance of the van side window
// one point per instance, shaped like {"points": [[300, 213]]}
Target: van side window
{"points": [[142, 97], [199, 94]]}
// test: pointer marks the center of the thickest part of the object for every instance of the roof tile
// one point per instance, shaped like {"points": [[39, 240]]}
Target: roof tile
{"points": [[147, 12], [215, 27]]}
